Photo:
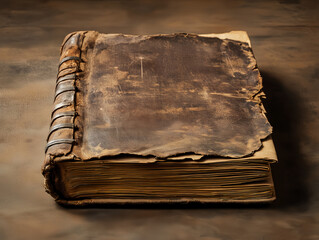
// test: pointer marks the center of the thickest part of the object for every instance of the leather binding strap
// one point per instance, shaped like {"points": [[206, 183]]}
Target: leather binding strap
{"points": [[67, 77], [62, 90], [76, 69], [58, 127], [58, 141], [63, 114], [60, 105], [68, 59]]}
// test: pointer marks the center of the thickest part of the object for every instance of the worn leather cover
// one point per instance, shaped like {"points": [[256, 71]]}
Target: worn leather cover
{"points": [[174, 96]]}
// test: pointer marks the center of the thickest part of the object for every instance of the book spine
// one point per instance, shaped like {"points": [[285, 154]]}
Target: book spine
{"points": [[61, 139], [66, 115]]}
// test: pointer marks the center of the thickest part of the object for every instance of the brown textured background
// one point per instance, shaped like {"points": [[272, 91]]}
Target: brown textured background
{"points": [[284, 37]]}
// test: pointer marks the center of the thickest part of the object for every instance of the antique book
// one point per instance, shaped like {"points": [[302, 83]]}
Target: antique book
{"points": [[158, 119]]}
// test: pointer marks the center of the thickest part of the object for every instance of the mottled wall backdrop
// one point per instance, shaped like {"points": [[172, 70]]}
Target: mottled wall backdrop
{"points": [[284, 37]]}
